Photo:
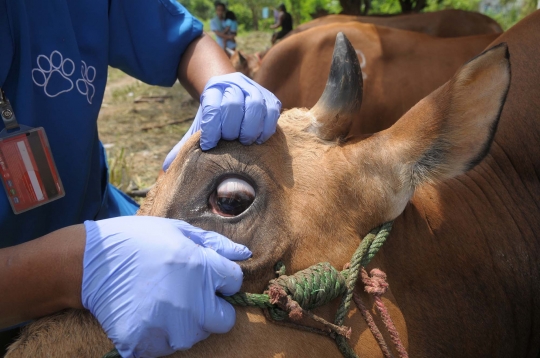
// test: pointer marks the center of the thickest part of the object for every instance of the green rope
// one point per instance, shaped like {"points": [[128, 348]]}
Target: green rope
{"points": [[361, 258], [316, 286]]}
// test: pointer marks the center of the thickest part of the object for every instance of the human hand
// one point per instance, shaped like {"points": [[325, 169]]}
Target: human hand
{"points": [[151, 283], [232, 107]]}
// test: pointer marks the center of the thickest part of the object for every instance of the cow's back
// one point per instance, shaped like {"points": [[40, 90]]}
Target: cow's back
{"points": [[400, 68], [445, 23]]}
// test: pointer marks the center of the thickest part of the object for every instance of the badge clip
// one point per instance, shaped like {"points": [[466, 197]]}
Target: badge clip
{"points": [[7, 113]]}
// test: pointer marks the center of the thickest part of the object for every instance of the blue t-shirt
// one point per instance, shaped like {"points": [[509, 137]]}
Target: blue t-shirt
{"points": [[233, 27], [216, 24], [54, 56]]}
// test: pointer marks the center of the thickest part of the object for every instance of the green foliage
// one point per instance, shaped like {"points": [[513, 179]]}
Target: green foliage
{"points": [[303, 10], [243, 16], [249, 20], [435, 5], [202, 9], [516, 14], [507, 14], [506, 20], [385, 7]]}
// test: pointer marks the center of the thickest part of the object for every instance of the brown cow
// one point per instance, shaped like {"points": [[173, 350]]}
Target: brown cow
{"points": [[247, 64], [400, 68], [445, 23], [462, 259]]}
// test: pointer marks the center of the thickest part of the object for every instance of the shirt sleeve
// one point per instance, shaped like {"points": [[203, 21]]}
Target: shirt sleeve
{"points": [[148, 37], [214, 25], [6, 43]]}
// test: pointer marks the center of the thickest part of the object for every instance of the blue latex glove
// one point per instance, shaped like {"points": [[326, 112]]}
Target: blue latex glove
{"points": [[232, 107], [152, 282]]}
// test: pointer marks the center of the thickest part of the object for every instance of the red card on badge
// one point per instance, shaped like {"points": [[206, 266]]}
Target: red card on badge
{"points": [[28, 171]]}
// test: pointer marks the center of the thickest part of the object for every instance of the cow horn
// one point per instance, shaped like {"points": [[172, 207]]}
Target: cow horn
{"points": [[340, 102]]}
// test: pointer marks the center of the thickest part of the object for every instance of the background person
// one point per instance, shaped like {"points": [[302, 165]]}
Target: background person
{"points": [[217, 25], [284, 21], [75, 252], [231, 28]]}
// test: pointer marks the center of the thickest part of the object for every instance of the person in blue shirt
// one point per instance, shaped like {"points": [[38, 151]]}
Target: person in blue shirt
{"points": [[217, 25], [231, 28], [150, 282]]}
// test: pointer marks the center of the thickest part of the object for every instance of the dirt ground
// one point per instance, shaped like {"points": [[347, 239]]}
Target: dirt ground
{"points": [[138, 136]]}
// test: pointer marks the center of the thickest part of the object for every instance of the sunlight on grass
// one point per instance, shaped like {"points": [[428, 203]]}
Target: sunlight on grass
{"points": [[138, 136], [119, 169]]}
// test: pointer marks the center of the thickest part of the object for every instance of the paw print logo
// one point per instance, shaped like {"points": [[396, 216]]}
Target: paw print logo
{"points": [[52, 74], [84, 84]]}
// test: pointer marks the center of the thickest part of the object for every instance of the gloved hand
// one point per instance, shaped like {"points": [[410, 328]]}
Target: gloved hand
{"points": [[232, 107], [151, 283]]}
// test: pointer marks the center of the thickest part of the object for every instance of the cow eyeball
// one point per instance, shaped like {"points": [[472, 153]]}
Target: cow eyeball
{"points": [[232, 197]]}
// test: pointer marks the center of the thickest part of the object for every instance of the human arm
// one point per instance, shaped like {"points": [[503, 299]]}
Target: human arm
{"points": [[217, 28], [278, 23], [150, 282], [202, 60], [232, 105], [42, 276], [223, 34], [229, 33]]}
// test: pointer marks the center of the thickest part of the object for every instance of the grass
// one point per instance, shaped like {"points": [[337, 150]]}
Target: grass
{"points": [[135, 155]]}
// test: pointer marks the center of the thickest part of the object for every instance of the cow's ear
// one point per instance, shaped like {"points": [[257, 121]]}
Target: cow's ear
{"points": [[451, 130], [340, 102], [241, 58]]}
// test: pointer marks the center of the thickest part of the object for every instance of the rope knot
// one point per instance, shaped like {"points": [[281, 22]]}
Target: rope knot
{"points": [[313, 287], [376, 283], [279, 297]]}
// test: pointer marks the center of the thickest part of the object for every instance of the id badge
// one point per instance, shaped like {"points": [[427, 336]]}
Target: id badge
{"points": [[27, 168]]}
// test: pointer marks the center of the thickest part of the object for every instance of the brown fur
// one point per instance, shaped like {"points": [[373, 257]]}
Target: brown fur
{"points": [[445, 23], [401, 68], [462, 259], [247, 64]]}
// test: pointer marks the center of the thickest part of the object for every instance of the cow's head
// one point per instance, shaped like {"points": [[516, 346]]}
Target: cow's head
{"points": [[307, 194], [246, 64]]}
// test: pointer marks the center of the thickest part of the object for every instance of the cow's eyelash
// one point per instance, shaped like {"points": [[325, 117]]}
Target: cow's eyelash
{"points": [[229, 166]]}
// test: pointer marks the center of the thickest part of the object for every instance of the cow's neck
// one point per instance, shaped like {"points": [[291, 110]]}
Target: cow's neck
{"points": [[465, 243]]}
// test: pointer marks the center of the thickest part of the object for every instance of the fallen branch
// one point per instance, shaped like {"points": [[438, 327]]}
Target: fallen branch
{"points": [[159, 99], [155, 126]]}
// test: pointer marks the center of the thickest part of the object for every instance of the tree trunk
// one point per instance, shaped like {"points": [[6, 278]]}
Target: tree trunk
{"points": [[354, 7], [420, 5], [295, 11], [408, 6], [351, 7], [367, 7], [255, 14]]}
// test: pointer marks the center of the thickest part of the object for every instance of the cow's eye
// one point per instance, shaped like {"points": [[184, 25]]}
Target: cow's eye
{"points": [[232, 197]]}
